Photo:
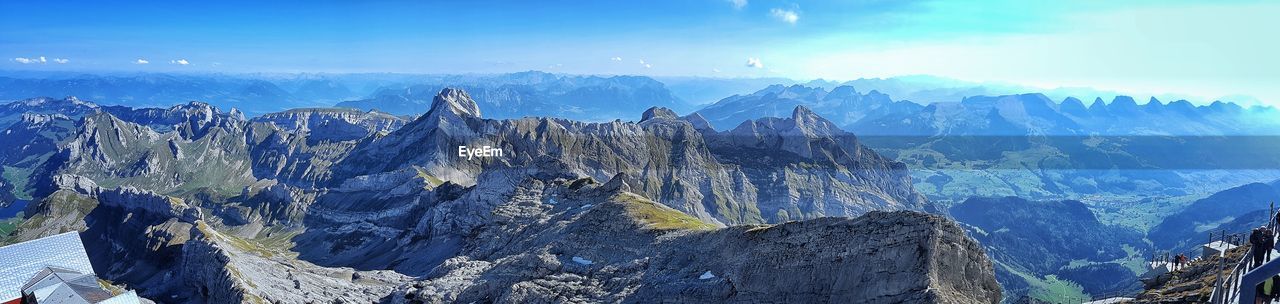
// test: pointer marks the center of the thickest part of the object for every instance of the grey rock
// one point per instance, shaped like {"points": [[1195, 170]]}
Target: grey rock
{"points": [[881, 257], [658, 112]]}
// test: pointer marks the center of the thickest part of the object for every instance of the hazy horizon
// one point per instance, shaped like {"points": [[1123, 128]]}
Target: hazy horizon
{"points": [[1057, 94], [1195, 48]]}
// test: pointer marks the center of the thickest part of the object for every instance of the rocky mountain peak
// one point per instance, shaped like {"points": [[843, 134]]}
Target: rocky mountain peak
{"points": [[806, 119], [699, 123], [1154, 102], [1073, 106], [658, 112], [40, 119], [196, 108], [803, 113], [455, 101], [236, 114], [1098, 107]]}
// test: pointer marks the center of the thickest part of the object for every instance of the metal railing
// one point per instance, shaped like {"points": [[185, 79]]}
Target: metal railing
{"points": [[1227, 289]]}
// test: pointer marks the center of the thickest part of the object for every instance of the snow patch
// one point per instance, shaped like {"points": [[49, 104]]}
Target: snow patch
{"points": [[586, 206], [580, 260], [706, 275]]}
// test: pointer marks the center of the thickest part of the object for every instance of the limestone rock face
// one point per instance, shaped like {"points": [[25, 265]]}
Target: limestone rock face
{"points": [[601, 244]]}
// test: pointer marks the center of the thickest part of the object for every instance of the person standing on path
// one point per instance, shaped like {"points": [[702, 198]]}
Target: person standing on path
{"points": [[1255, 247], [1268, 243]]}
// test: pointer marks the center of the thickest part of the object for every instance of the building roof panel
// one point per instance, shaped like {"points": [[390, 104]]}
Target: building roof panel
{"points": [[20, 262]]}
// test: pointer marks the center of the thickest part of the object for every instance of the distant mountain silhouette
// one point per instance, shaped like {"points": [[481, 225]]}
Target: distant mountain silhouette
{"points": [[532, 94]]}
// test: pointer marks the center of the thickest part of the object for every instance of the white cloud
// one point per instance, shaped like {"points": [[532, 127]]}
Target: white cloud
{"points": [[738, 4], [715, 70], [616, 58], [645, 64], [179, 62], [754, 63], [61, 60], [40, 59], [784, 15], [141, 61]]}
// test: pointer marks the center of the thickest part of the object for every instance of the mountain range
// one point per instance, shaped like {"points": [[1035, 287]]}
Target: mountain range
{"points": [[516, 95], [367, 205], [193, 203], [1030, 146], [155, 90], [874, 113]]}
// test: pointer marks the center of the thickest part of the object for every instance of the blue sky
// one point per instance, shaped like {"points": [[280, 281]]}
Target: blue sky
{"points": [[1205, 49]]}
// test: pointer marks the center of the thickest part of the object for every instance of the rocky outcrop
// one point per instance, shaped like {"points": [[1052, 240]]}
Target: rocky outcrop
{"points": [[162, 246], [204, 268], [334, 124], [581, 242]]}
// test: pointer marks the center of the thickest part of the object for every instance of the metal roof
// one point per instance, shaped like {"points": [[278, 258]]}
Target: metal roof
{"points": [[22, 261]]}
